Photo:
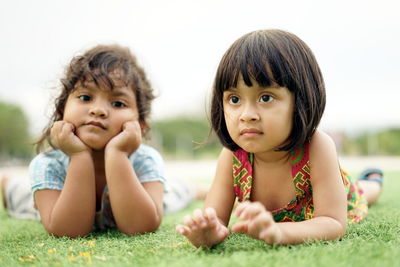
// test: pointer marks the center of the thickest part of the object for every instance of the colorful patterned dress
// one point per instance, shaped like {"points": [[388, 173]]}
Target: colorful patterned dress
{"points": [[301, 207]]}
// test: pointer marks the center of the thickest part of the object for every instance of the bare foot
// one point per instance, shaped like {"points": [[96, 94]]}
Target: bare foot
{"points": [[3, 184], [371, 184], [203, 229]]}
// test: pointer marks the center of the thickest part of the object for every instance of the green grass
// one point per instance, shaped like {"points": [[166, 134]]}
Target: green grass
{"points": [[374, 242]]}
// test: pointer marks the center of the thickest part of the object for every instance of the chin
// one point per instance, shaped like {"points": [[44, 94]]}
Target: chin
{"points": [[252, 148], [94, 143], [96, 146]]}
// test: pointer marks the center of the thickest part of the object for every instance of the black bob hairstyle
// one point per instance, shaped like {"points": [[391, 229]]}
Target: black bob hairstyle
{"points": [[272, 57]]}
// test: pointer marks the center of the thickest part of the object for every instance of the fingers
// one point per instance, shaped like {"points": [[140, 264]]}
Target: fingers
{"points": [[129, 139], [133, 129], [62, 127], [201, 219], [203, 228], [260, 222], [132, 125], [248, 210], [183, 230], [254, 226], [240, 227], [211, 215], [67, 129], [190, 222], [63, 137], [197, 220], [256, 222], [60, 131], [271, 235]]}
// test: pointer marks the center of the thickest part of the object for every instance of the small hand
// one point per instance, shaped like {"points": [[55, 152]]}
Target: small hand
{"points": [[63, 137], [203, 229], [257, 222], [128, 140]]}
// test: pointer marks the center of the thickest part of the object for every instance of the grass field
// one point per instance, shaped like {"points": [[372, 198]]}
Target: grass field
{"points": [[374, 242]]}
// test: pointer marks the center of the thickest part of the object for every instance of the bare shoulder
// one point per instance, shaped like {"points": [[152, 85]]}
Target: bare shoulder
{"points": [[322, 150], [225, 155], [224, 165], [321, 142]]}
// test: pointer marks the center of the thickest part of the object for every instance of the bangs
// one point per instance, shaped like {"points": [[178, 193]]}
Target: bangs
{"points": [[107, 81], [251, 59], [105, 70]]}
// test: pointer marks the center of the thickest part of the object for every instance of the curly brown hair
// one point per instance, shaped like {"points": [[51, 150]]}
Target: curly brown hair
{"points": [[96, 65]]}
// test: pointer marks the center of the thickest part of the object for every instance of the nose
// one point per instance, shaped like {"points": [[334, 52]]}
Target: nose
{"points": [[98, 110], [249, 113]]}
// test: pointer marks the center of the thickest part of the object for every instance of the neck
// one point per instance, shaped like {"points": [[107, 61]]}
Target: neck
{"points": [[275, 157]]}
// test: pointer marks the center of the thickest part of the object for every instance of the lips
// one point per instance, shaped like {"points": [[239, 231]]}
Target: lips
{"points": [[250, 132], [96, 124]]}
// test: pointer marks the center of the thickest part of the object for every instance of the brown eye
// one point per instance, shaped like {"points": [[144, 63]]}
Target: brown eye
{"points": [[85, 98], [266, 98], [234, 100], [118, 104]]}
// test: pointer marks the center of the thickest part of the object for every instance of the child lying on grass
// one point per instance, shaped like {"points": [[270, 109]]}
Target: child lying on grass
{"points": [[97, 174], [268, 99]]}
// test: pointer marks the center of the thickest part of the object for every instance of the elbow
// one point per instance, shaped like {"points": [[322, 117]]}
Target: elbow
{"points": [[153, 226], [341, 228], [71, 233], [142, 230], [146, 227]]}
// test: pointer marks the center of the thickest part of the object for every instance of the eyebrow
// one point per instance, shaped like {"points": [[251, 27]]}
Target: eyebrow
{"points": [[121, 94], [114, 93]]}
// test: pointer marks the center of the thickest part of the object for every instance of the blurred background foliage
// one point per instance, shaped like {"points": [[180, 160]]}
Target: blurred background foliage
{"points": [[14, 133], [186, 137], [379, 142]]}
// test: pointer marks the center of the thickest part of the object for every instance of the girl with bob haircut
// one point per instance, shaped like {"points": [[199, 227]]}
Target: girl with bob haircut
{"points": [[268, 99], [97, 174]]}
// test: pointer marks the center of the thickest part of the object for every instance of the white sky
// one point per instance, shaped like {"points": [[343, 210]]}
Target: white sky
{"points": [[180, 43]]}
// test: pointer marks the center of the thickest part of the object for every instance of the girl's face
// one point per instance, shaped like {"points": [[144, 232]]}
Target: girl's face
{"points": [[258, 119], [98, 114]]}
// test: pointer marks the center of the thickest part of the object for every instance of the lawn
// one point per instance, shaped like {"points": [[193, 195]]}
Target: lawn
{"points": [[374, 242]]}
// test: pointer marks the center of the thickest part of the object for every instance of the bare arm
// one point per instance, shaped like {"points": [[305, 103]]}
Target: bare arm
{"points": [[208, 227], [136, 208], [70, 212], [329, 198], [221, 196]]}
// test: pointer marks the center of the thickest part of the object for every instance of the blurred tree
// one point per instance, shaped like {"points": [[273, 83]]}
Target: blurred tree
{"points": [[14, 132], [382, 142], [389, 142], [184, 137]]}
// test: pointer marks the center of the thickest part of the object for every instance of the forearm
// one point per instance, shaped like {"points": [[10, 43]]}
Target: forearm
{"points": [[133, 208], [73, 212], [319, 228]]}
